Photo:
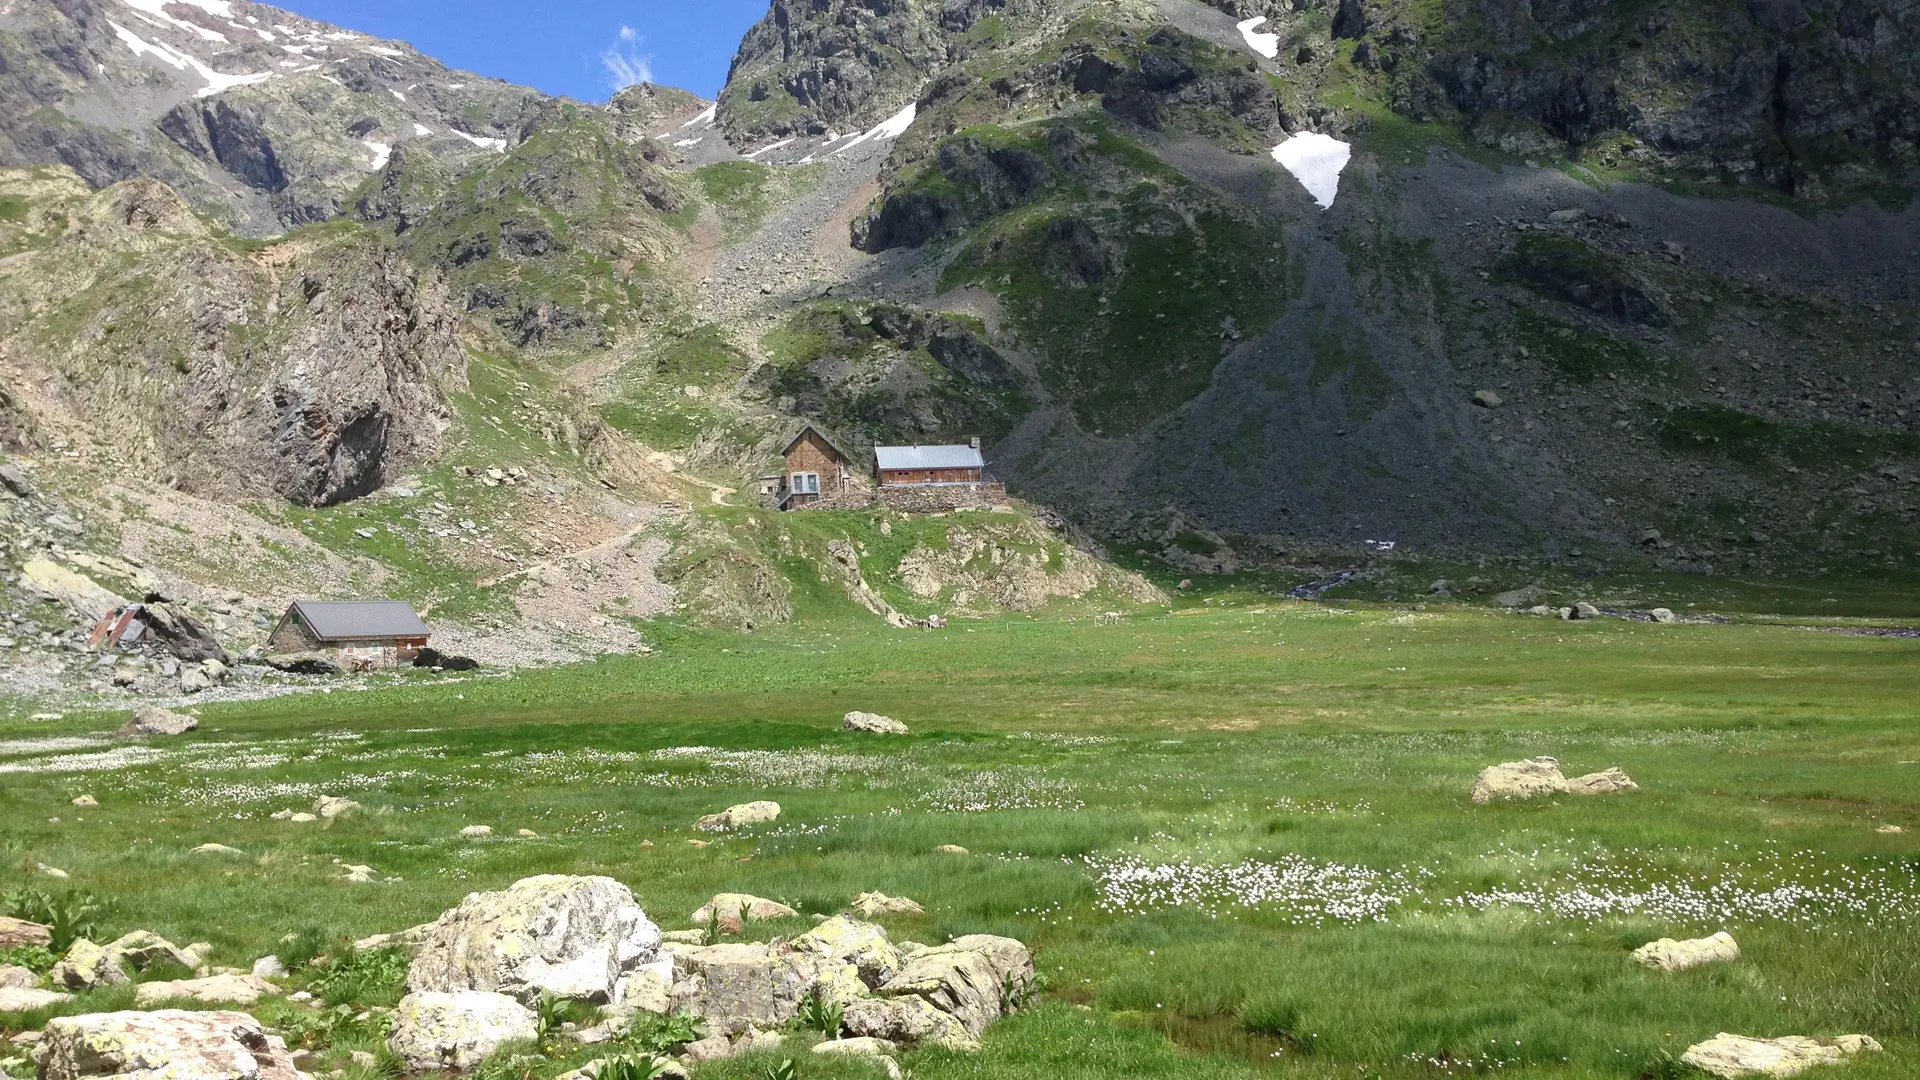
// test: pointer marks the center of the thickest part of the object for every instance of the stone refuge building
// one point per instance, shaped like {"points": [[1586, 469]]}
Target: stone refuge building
{"points": [[363, 633], [817, 470], [820, 475]]}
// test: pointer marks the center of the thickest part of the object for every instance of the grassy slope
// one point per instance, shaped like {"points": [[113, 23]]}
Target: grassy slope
{"points": [[1337, 737]]}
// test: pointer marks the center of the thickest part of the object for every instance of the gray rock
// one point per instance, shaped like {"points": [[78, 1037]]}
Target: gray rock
{"points": [[1729, 1056], [1584, 610], [1664, 615], [741, 906], [148, 721], [737, 986], [1488, 399], [572, 937], [270, 967], [433, 1030], [873, 722], [1528, 779], [1606, 782], [734, 817], [969, 979], [909, 1021], [165, 1045], [333, 806], [1668, 954], [29, 998], [15, 977], [871, 905], [216, 989], [15, 480], [18, 933]]}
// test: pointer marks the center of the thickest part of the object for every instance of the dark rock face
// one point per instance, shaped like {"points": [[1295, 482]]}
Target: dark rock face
{"points": [[217, 131], [1566, 269]]}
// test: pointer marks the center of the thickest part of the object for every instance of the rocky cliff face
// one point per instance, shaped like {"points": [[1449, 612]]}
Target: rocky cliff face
{"points": [[312, 369], [264, 118]]}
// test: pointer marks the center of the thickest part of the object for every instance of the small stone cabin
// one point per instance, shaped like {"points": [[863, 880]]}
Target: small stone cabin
{"points": [[917, 466], [817, 468], [364, 633]]}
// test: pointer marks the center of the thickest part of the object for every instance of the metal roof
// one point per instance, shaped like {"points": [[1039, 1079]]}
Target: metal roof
{"points": [[360, 619], [928, 457]]}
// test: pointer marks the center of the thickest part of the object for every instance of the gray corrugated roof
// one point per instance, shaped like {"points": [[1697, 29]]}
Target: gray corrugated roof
{"points": [[928, 457], [360, 619]]}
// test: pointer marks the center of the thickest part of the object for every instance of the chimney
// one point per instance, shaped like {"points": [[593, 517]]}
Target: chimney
{"points": [[973, 441]]}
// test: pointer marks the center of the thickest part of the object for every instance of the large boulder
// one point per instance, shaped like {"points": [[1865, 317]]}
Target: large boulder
{"points": [[1670, 955], [874, 723], [1608, 782], [742, 906], [165, 1045], [88, 966], [734, 817], [572, 937], [1731, 1056], [849, 941], [216, 990], [737, 986], [433, 1030], [28, 998], [148, 721], [19, 933], [1528, 779], [872, 905], [15, 977], [910, 1021], [970, 979]]}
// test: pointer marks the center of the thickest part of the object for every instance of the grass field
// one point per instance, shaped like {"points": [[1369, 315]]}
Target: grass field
{"points": [[1239, 839]]}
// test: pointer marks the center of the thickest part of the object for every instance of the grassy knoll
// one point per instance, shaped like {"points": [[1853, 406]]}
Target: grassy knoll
{"points": [[1239, 838]]}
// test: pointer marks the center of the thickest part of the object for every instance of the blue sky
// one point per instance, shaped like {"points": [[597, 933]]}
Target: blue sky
{"points": [[581, 48]]}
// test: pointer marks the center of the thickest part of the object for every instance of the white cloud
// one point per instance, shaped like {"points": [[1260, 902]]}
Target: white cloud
{"points": [[625, 62]]}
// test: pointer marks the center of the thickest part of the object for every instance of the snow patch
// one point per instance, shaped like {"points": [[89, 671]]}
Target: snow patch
{"points": [[1267, 45], [382, 50], [158, 9], [695, 141], [712, 113], [1316, 161], [457, 86], [381, 152], [769, 148], [891, 128], [422, 130], [402, 98], [482, 143], [216, 81]]}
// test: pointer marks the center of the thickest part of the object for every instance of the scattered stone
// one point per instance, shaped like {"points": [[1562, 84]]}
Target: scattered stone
{"points": [[474, 832], [362, 1059], [734, 817], [28, 998], [527, 834], [1567, 217], [711, 1048], [51, 871], [698, 843], [333, 806], [15, 480], [870, 905], [1667, 954], [19, 933], [1729, 1056], [1890, 829], [217, 849], [879, 1050], [457, 1030], [1606, 782], [15, 977], [299, 817], [242, 990], [359, 874], [304, 664], [683, 937], [1488, 399], [1584, 610], [952, 849], [86, 802], [1519, 598], [572, 937], [270, 967], [148, 721], [166, 1045], [1664, 615], [873, 722], [741, 906]]}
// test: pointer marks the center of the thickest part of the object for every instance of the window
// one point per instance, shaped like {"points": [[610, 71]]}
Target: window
{"points": [[806, 483]]}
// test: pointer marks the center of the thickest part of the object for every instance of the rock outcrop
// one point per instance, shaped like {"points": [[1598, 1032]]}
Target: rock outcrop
{"points": [[735, 817], [873, 722], [1668, 954], [870, 905], [1538, 777], [215, 990], [1731, 1056], [970, 979], [149, 720], [88, 966], [572, 937], [19, 933], [433, 1030], [168, 1044]]}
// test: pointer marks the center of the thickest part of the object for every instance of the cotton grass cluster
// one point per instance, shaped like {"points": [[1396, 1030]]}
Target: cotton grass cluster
{"points": [[999, 789]]}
